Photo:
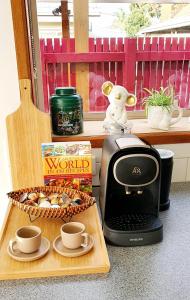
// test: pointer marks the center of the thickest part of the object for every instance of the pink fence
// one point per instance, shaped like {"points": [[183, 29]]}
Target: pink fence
{"points": [[134, 63]]}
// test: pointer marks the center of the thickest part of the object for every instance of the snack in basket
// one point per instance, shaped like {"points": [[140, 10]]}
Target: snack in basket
{"points": [[68, 164], [51, 202], [55, 200]]}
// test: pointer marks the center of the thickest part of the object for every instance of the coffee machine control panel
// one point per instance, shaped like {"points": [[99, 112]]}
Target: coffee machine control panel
{"points": [[135, 170], [130, 142]]}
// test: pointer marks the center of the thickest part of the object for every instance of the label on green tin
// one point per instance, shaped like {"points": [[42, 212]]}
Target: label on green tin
{"points": [[68, 123]]}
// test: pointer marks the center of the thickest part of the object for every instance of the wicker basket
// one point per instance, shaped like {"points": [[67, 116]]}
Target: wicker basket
{"points": [[51, 213]]}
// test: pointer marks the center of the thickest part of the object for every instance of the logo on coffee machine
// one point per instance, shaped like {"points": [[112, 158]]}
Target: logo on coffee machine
{"points": [[136, 171]]}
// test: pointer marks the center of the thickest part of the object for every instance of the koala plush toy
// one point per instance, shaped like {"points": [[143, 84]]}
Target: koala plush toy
{"points": [[116, 114]]}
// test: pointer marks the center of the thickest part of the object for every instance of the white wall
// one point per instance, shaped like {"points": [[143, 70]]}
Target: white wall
{"points": [[9, 96]]}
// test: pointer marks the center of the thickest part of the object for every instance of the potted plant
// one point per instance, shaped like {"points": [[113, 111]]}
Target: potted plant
{"points": [[159, 105]]}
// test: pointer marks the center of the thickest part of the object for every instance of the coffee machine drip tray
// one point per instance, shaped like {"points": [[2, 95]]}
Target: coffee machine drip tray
{"points": [[130, 222], [133, 229]]}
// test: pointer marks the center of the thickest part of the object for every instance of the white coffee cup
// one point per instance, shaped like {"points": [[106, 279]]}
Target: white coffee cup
{"points": [[74, 236], [27, 239]]}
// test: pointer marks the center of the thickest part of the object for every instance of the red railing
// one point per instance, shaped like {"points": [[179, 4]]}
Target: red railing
{"points": [[133, 63]]}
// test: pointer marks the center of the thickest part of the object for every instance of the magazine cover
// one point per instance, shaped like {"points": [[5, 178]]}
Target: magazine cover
{"points": [[68, 164]]}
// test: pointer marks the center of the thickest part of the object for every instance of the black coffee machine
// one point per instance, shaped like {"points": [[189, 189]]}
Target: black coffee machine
{"points": [[130, 192]]}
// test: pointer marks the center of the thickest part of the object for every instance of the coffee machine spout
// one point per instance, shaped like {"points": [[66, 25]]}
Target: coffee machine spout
{"points": [[127, 190], [139, 192]]}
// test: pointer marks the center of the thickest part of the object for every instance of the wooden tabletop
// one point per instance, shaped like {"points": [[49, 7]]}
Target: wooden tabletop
{"points": [[53, 264], [94, 132]]}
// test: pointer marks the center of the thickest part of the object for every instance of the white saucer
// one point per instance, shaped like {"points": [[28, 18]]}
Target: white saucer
{"points": [[62, 250], [20, 256]]}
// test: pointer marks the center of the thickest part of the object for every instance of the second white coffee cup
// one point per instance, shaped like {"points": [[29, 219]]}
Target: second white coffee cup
{"points": [[74, 236]]}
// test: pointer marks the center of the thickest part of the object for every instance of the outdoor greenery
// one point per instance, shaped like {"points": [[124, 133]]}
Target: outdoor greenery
{"points": [[140, 16], [163, 97]]}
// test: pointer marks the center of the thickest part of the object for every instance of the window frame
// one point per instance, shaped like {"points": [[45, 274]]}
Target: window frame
{"points": [[21, 38]]}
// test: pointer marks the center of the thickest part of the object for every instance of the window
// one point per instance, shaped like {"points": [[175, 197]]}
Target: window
{"points": [[138, 45]]}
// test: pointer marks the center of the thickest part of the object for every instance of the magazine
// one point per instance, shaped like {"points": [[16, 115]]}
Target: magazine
{"points": [[68, 164]]}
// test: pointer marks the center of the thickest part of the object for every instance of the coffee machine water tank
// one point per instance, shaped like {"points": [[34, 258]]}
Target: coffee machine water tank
{"points": [[130, 191]]}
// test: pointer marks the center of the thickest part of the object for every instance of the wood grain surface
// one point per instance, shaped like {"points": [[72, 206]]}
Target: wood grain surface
{"points": [[21, 38], [27, 128], [81, 45], [53, 264]]}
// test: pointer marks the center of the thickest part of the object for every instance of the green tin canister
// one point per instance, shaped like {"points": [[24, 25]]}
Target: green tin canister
{"points": [[66, 111]]}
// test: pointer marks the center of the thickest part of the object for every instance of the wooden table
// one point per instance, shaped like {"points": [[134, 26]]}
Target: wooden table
{"points": [[53, 264]]}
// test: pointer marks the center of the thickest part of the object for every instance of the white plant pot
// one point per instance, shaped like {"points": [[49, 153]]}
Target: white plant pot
{"points": [[161, 118]]}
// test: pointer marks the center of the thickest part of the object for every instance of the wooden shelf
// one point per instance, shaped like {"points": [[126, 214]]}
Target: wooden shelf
{"points": [[94, 132]]}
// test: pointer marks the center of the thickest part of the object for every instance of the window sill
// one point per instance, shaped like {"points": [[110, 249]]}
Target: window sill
{"points": [[94, 132]]}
